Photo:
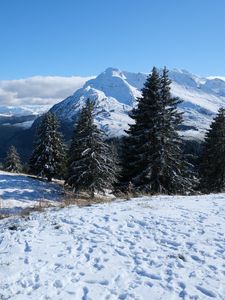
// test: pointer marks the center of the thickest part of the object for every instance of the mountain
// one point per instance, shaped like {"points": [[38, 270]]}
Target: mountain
{"points": [[25, 110], [24, 100], [33, 96], [22, 116], [115, 93]]}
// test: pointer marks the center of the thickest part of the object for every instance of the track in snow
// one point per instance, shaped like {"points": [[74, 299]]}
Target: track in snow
{"points": [[148, 248]]}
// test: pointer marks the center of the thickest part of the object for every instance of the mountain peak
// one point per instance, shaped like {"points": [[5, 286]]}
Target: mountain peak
{"points": [[115, 84], [116, 91], [112, 71]]}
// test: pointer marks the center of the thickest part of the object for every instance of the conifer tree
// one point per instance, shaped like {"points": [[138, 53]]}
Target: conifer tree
{"points": [[12, 161], [48, 157], [178, 174], [91, 167], [153, 154], [212, 165]]}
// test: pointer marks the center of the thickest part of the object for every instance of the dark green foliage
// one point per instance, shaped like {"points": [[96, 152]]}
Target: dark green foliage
{"points": [[192, 151], [153, 160], [7, 138], [48, 157], [12, 161], [212, 164], [92, 166]]}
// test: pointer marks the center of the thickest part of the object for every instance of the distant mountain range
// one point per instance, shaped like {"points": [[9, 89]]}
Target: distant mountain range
{"points": [[22, 116], [115, 93]]}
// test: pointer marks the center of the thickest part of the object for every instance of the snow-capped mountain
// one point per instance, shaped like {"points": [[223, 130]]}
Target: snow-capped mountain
{"points": [[115, 93], [21, 116], [26, 110], [26, 99]]}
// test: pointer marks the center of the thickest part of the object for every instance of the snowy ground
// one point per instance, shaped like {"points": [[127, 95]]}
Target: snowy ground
{"points": [[149, 248], [18, 191]]}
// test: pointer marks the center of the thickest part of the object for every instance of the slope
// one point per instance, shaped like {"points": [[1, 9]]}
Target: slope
{"points": [[18, 191], [148, 248]]}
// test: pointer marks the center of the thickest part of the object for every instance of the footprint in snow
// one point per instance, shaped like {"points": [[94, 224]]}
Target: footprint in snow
{"points": [[97, 264], [206, 292], [85, 295], [27, 247], [101, 282], [58, 284], [197, 259], [106, 218], [183, 292], [87, 256], [121, 253], [149, 275], [26, 261], [213, 268]]}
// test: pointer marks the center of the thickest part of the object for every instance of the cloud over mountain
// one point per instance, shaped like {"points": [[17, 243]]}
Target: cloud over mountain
{"points": [[39, 90]]}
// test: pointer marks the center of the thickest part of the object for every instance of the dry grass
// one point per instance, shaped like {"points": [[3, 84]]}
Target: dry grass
{"points": [[70, 198], [127, 195], [40, 207], [83, 199], [3, 216]]}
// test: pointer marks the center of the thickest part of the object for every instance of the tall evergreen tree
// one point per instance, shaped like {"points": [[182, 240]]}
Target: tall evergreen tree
{"points": [[212, 165], [177, 173], [153, 154], [48, 157], [12, 161], [91, 164]]}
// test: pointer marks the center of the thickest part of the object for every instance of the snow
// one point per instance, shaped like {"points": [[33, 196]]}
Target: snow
{"points": [[154, 248], [34, 96], [110, 115], [115, 93], [24, 110], [17, 115], [18, 191], [24, 125], [113, 83], [216, 77]]}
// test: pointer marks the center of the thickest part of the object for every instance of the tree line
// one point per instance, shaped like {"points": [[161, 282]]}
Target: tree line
{"points": [[151, 159]]}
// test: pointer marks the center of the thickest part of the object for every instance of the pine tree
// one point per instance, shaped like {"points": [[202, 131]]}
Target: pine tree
{"points": [[153, 154], [212, 165], [178, 174], [48, 157], [135, 149], [91, 164], [12, 161]]}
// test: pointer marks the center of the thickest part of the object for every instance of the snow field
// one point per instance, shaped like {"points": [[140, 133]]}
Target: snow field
{"points": [[18, 191], [161, 247]]}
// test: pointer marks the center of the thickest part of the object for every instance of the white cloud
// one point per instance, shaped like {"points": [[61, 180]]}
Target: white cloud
{"points": [[39, 90]]}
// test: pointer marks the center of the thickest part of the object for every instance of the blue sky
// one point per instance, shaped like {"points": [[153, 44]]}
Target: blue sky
{"points": [[73, 37]]}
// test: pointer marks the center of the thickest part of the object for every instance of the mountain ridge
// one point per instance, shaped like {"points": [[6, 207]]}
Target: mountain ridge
{"points": [[115, 93]]}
